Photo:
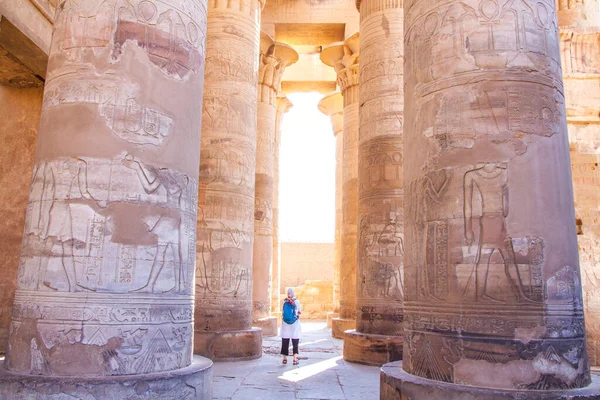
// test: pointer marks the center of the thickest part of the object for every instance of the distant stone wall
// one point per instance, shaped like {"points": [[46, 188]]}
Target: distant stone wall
{"points": [[306, 261], [316, 298]]}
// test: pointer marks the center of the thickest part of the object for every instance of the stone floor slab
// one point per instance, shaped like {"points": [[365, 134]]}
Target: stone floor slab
{"points": [[322, 373]]}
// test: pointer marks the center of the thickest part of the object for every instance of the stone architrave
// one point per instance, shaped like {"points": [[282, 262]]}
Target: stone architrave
{"points": [[579, 24], [274, 58], [105, 286], [378, 338], [223, 313], [343, 57], [492, 304], [283, 106], [332, 105]]}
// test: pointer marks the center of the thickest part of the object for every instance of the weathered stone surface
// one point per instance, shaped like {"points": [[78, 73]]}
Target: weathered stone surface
{"points": [[341, 325], [369, 349], [227, 168], [268, 325], [230, 345], [332, 105], [492, 285], [397, 384], [274, 58], [343, 57], [381, 183], [315, 297], [19, 132], [191, 382], [106, 274], [330, 317], [301, 262], [580, 50], [283, 106]]}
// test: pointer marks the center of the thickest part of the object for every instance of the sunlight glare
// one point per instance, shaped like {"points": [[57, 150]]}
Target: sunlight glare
{"points": [[298, 374], [307, 173]]}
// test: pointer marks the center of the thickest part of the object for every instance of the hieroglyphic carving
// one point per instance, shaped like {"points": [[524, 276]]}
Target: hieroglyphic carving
{"points": [[107, 265], [227, 170], [491, 277], [381, 249], [344, 58]]}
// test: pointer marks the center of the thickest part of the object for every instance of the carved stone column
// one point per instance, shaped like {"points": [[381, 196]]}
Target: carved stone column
{"points": [[283, 106], [332, 105], [493, 304], [379, 330], [274, 58], [223, 315], [105, 284], [343, 57], [580, 45]]}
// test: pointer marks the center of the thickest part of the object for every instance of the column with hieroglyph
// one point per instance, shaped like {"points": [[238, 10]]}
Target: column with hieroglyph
{"points": [[579, 25], [492, 303], [343, 57], [105, 286], [332, 105], [378, 338], [274, 58], [223, 314], [283, 106]]}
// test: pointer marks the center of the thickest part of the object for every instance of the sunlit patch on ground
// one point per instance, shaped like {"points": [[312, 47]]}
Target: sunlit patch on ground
{"points": [[307, 371], [322, 373]]}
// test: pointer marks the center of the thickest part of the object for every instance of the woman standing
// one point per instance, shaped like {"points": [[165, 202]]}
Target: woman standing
{"points": [[290, 328]]}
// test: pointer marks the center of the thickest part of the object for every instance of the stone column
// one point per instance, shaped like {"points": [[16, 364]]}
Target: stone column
{"points": [[343, 57], [223, 314], [379, 330], [105, 283], [332, 105], [274, 58], [283, 106], [493, 304], [580, 45]]}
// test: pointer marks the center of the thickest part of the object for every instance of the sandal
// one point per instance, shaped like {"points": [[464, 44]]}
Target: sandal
{"points": [[284, 361], [296, 362]]}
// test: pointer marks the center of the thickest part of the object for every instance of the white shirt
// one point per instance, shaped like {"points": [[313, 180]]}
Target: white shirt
{"points": [[294, 330]]}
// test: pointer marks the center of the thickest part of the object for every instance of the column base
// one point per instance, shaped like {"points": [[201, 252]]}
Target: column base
{"points": [[193, 382], [268, 326], [368, 349], [330, 317], [279, 317], [397, 384], [339, 326], [229, 345]]}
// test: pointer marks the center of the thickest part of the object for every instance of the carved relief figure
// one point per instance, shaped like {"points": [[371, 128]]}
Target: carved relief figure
{"points": [[431, 236], [166, 226], [382, 253], [491, 181], [64, 186], [226, 255]]}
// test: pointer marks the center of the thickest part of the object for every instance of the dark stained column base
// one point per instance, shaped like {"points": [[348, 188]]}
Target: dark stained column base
{"points": [[397, 384], [339, 326], [330, 317], [364, 348], [268, 326], [193, 382], [229, 345]]}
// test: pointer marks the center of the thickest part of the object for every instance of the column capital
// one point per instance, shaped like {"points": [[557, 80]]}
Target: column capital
{"points": [[283, 105], [332, 105], [274, 58], [379, 4], [343, 57]]}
